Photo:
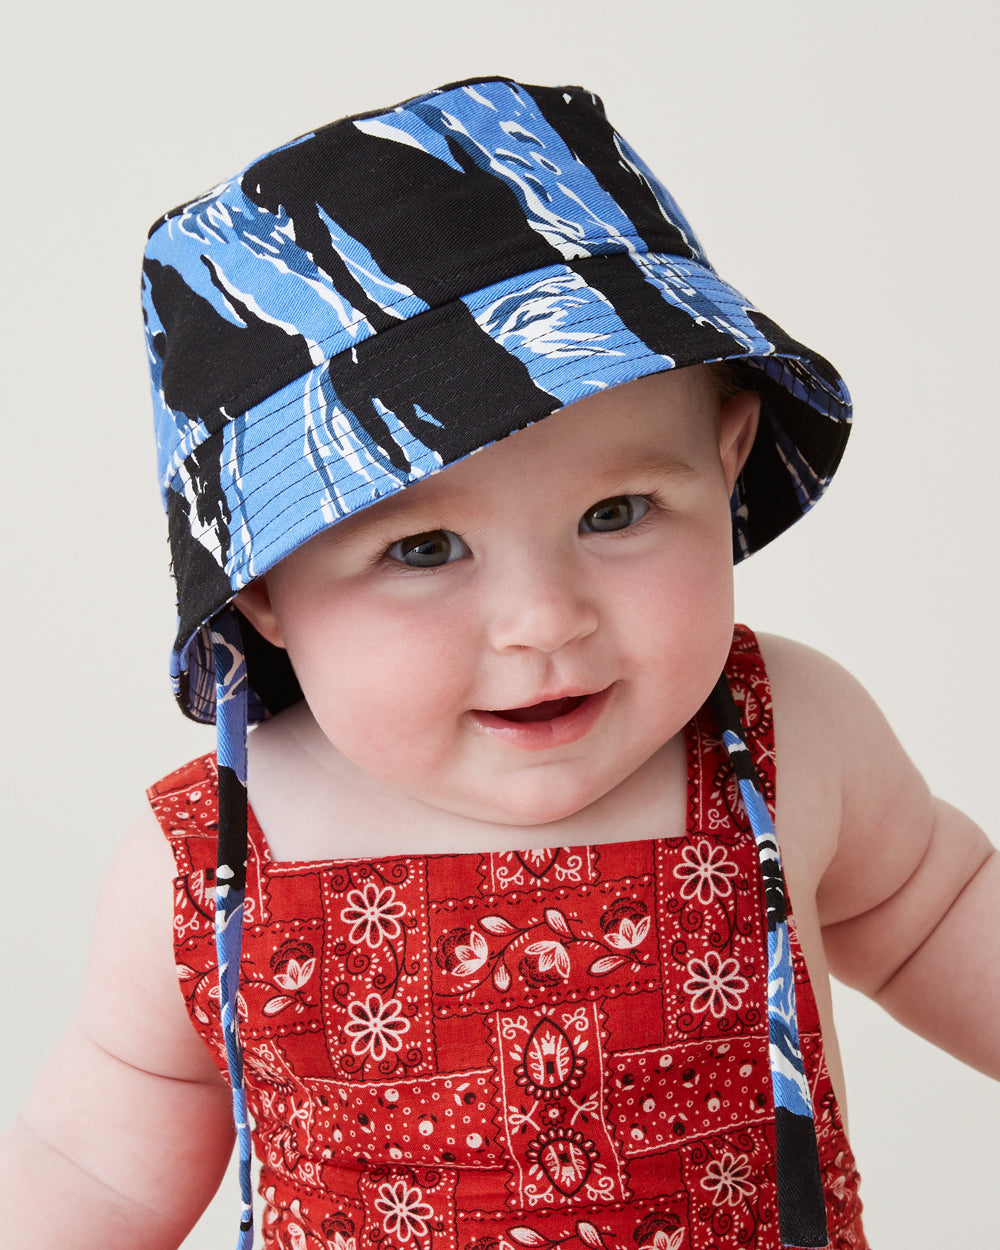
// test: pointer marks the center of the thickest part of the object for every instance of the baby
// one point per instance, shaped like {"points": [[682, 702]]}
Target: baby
{"points": [[499, 953]]}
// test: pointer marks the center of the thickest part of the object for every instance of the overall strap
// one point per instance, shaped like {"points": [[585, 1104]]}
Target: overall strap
{"points": [[801, 1206]]}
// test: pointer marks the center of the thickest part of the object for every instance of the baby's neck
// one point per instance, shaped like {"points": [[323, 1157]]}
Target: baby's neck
{"points": [[313, 804]]}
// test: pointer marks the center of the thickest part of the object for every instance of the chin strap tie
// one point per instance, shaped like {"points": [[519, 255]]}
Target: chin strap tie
{"points": [[230, 878], [801, 1206]]}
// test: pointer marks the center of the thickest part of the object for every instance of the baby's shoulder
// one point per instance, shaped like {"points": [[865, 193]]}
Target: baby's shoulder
{"points": [[848, 793], [829, 731]]}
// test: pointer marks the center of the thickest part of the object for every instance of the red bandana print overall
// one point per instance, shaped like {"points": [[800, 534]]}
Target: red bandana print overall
{"points": [[514, 1051]]}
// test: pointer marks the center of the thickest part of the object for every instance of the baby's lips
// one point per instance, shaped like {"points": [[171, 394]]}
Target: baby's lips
{"points": [[548, 709]]}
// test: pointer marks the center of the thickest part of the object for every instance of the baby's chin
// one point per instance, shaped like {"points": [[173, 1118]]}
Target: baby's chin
{"points": [[564, 806], [510, 811]]}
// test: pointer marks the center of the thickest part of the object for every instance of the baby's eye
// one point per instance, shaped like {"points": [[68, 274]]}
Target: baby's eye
{"points": [[614, 514], [428, 551]]}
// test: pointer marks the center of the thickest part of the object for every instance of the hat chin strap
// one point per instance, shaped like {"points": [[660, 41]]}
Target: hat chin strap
{"points": [[801, 1205], [230, 880]]}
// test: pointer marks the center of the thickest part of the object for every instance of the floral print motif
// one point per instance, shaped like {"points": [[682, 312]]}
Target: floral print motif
{"points": [[470, 957], [373, 913], [405, 1214], [715, 984], [376, 1027], [565, 1156], [550, 1066], [292, 967], [706, 872], [662, 1240], [550, 955], [728, 1179], [629, 935], [624, 928]]}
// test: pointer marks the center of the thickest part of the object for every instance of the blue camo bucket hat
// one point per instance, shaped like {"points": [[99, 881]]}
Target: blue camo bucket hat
{"points": [[377, 299], [380, 298]]}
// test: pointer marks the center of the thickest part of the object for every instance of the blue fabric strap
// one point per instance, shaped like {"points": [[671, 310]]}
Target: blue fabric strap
{"points": [[230, 882], [801, 1205]]}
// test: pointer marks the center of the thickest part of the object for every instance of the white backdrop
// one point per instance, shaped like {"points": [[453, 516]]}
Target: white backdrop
{"points": [[839, 163]]}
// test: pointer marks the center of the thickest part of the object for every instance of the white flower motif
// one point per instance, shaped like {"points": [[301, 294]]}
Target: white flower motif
{"points": [[715, 984], [705, 872], [728, 1179], [372, 913], [296, 974], [550, 955], [665, 1241], [471, 957], [629, 934], [405, 1213], [375, 1026]]}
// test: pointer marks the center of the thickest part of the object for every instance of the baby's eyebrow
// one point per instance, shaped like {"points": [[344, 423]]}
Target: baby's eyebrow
{"points": [[388, 518], [626, 467]]}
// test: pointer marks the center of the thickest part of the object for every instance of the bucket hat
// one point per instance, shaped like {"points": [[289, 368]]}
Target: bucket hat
{"points": [[379, 298], [382, 297]]}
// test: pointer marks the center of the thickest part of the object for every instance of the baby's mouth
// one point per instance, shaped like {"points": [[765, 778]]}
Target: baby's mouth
{"points": [[549, 709]]}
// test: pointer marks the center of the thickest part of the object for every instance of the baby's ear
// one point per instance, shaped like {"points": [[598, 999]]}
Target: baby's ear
{"points": [[254, 601], [737, 430]]}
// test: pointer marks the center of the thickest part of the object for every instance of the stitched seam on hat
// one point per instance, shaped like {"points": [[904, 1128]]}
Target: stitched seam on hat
{"points": [[541, 374], [178, 461], [402, 375], [192, 443], [236, 399], [292, 434], [199, 434], [260, 548], [194, 438]]}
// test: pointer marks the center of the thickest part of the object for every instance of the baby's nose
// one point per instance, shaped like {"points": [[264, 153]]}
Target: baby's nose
{"points": [[543, 610]]}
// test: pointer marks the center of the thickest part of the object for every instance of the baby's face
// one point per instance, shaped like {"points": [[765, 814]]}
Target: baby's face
{"points": [[513, 637]]}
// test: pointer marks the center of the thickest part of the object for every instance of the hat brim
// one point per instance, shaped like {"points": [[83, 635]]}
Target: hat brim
{"points": [[411, 400]]}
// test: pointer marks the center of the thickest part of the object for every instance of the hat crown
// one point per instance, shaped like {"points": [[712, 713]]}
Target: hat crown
{"points": [[344, 232]]}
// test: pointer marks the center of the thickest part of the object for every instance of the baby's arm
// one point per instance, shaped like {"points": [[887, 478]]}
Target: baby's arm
{"points": [[126, 1134], [908, 888]]}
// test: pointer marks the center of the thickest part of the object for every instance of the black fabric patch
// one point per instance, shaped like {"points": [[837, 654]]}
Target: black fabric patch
{"points": [[443, 362], [785, 345], [209, 364], [801, 1205], [269, 671], [233, 826], [663, 327], [768, 484], [202, 584], [439, 231]]}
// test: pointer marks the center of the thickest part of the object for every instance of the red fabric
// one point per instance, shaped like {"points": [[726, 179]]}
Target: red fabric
{"points": [[520, 1051]]}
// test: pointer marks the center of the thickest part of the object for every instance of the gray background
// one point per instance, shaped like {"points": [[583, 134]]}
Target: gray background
{"points": [[840, 166]]}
